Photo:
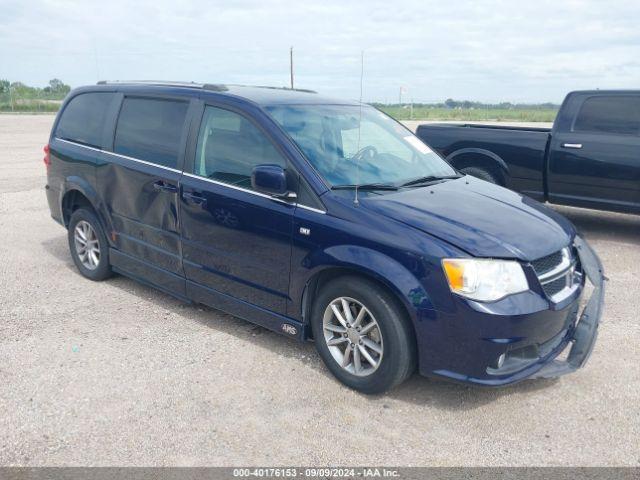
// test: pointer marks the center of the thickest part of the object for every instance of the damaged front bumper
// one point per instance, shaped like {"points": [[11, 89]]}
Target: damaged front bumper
{"points": [[585, 332]]}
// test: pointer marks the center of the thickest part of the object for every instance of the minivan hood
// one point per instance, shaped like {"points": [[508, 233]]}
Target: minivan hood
{"points": [[483, 219]]}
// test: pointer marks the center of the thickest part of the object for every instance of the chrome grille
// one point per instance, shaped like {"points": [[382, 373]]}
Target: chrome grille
{"points": [[554, 286], [559, 273], [548, 263]]}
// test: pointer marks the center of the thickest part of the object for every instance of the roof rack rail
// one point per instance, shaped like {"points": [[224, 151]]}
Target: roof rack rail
{"points": [[303, 90], [151, 82], [215, 87]]}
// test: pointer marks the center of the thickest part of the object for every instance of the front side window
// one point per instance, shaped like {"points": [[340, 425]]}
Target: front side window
{"points": [[230, 146], [349, 147], [150, 130], [83, 119], [610, 114]]}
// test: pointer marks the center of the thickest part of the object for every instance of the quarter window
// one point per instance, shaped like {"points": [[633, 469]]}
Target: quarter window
{"points": [[150, 130], [83, 119], [230, 146], [610, 114]]}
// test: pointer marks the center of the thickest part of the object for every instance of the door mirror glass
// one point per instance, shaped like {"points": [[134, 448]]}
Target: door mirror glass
{"points": [[269, 179]]}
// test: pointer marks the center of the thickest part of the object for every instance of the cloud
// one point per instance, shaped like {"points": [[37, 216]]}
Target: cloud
{"points": [[485, 50]]}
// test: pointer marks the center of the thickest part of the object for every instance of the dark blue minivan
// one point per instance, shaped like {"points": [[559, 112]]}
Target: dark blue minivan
{"points": [[321, 219]]}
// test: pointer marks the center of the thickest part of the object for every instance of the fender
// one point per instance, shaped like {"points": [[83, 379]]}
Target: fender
{"points": [[81, 185], [479, 151], [371, 263]]}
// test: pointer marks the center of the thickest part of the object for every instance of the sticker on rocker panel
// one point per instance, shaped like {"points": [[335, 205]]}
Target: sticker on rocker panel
{"points": [[290, 329], [417, 144]]}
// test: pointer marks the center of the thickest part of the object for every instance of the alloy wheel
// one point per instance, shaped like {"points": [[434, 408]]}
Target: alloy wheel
{"points": [[87, 245], [353, 336]]}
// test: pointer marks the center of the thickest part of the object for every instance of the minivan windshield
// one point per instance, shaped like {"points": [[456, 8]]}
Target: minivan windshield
{"points": [[379, 153]]}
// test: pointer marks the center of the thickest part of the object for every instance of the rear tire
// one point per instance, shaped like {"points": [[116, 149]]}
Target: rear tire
{"points": [[88, 245], [382, 334], [481, 173]]}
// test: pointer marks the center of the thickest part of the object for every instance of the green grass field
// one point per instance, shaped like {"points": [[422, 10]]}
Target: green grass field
{"points": [[422, 112], [478, 114], [29, 106], [18, 97]]}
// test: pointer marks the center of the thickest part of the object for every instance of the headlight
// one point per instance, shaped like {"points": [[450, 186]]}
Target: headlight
{"points": [[484, 280]]}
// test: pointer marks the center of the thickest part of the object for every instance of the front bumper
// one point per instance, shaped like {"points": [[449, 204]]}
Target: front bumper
{"points": [[586, 330], [530, 330]]}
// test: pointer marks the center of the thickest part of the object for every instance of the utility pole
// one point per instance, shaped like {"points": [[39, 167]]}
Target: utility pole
{"points": [[291, 65]]}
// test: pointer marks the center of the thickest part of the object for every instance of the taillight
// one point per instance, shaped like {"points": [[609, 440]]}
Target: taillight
{"points": [[47, 157]]}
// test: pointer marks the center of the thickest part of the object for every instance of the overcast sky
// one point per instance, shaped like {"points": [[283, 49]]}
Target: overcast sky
{"points": [[531, 51]]}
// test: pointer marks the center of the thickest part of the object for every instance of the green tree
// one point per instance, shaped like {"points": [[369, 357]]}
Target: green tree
{"points": [[58, 88], [20, 90], [450, 103]]}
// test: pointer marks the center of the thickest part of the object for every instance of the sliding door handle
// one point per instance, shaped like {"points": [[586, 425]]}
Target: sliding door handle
{"points": [[572, 145], [195, 198], [162, 186]]}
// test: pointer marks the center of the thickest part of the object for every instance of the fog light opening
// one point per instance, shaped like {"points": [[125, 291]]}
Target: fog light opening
{"points": [[500, 360]]}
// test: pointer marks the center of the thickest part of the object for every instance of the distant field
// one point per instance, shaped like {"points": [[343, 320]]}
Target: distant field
{"points": [[399, 113], [492, 114], [29, 105]]}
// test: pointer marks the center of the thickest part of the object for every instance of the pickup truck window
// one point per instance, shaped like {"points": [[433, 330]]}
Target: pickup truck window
{"points": [[382, 150], [150, 130], [229, 146], [609, 114], [83, 119]]}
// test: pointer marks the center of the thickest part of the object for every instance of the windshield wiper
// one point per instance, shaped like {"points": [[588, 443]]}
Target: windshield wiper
{"points": [[428, 179], [366, 186]]}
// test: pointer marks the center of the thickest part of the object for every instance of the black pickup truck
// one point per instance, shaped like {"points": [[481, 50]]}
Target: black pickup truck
{"points": [[590, 158]]}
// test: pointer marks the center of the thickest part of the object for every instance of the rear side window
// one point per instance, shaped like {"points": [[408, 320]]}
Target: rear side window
{"points": [[150, 130], [230, 146], [609, 114], [83, 119]]}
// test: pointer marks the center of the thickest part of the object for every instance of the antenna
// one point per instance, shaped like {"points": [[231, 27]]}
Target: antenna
{"points": [[355, 200], [291, 65]]}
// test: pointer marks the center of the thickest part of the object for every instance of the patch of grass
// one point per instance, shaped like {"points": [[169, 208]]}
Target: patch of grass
{"points": [[420, 112], [471, 114], [30, 106]]}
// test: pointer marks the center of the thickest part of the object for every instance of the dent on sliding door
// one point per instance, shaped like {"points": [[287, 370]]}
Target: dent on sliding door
{"points": [[140, 179]]}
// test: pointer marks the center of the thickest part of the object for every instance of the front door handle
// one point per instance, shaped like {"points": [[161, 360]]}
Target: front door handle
{"points": [[162, 186], [572, 145], [194, 197]]}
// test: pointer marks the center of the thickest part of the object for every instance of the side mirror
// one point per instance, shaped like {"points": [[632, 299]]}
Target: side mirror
{"points": [[272, 180]]}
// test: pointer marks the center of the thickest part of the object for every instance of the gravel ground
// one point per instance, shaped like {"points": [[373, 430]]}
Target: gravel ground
{"points": [[115, 373]]}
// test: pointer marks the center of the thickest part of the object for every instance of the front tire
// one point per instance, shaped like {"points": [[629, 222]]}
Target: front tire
{"points": [[88, 245], [363, 335]]}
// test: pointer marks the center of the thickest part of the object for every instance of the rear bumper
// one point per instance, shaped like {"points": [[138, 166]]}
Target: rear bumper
{"points": [[531, 331], [53, 199]]}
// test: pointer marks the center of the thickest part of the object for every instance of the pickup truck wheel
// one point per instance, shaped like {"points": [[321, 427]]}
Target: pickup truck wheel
{"points": [[362, 335], [480, 173], [88, 245]]}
